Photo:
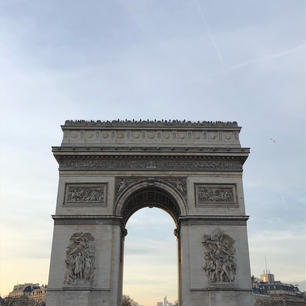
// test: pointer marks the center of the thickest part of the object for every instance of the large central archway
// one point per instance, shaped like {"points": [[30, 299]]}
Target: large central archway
{"points": [[151, 193], [150, 258], [109, 170]]}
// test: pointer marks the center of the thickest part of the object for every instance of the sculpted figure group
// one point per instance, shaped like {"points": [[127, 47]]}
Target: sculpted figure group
{"points": [[219, 257], [215, 195], [86, 194], [80, 259]]}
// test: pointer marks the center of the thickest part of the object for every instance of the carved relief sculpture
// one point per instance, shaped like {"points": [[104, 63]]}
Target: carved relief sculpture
{"points": [[122, 183], [219, 257], [136, 163], [215, 195], [85, 193], [80, 259], [209, 194]]}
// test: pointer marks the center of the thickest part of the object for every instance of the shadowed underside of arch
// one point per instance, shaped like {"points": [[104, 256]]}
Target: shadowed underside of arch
{"points": [[150, 197]]}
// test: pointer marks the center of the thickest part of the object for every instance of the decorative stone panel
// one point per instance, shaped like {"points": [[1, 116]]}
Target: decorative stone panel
{"points": [[219, 257], [85, 194], [151, 137], [80, 259], [162, 133], [216, 195], [124, 182], [148, 163]]}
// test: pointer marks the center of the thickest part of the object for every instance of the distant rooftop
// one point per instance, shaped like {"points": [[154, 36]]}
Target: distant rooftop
{"points": [[151, 124]]}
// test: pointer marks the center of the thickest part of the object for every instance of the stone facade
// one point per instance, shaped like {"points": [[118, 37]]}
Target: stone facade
{"points": [[39, 295], [34, 292], [262, 300], [108, 170]]}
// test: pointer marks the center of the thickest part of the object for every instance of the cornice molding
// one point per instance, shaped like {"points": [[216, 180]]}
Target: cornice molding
{"points": [[214, 220], [86, 220], [149, 163], [150, 124], [150, 150]]}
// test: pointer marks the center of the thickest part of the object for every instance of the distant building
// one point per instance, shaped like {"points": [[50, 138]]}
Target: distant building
{"points": [[266, 300], [267, 278], [164, 303], [274, 287], [22, 289], [32, 291], [268, 292], [39, 294]]}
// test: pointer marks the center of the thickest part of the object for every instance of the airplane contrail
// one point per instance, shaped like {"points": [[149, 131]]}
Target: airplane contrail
{"points": [[210, 35], [269, 56]]}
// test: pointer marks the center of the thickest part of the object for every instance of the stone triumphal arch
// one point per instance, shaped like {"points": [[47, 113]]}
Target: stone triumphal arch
{"points": [[109, 170]]}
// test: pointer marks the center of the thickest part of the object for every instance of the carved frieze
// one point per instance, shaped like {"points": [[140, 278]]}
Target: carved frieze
{"points": [[145, 163], [219, 257], [85, 194], [123, 183], [216, 195], [156, 137], [158, 132], [80, 259]]}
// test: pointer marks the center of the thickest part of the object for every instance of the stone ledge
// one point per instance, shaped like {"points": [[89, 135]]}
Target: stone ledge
{"points": [[115, 220], [150, 150], [214, 220], [150, 163], [86, 220], [220, 289], [79, 289], [150, 124]]}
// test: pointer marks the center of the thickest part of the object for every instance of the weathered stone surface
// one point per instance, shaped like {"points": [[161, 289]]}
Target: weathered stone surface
{"points": [[109, 170], [162, 133], [85, 194], [216, 195], [144, 163], [219, 257], [80, 260], [123, 183]]}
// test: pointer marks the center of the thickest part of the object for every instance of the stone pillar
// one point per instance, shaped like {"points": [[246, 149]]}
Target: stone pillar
{"points": [[105, 285], [224, 241]]}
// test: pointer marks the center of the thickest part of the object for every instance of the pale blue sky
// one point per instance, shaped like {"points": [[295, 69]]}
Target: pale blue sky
{"points": [[195, 60]]}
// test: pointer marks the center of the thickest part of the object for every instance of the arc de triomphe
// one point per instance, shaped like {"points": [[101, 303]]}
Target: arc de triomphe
{"points": [[108, 170]]}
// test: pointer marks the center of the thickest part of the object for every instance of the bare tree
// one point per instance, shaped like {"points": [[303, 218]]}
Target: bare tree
{"points": [[127, 301], [19, 301]]}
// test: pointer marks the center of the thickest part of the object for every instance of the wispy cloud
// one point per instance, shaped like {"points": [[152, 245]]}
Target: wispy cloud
{"points": [[268, 57]]}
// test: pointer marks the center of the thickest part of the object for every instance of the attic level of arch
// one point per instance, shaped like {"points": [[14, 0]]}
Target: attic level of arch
{"points": [[139, 134]]}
